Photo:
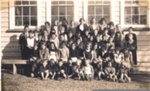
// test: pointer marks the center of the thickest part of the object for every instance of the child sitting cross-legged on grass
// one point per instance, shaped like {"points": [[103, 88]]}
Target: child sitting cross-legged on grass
{"points": [[123, 74], [44, 70], [110, 72], [61, 70], [99, 70], [52, 68], [88, 70], [77, 72]]}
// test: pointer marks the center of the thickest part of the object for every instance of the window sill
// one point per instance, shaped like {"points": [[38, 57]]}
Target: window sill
{"points": [[20, 29]]}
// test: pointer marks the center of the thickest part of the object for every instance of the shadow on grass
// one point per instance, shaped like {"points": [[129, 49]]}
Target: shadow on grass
{"points": [[141, 78]]}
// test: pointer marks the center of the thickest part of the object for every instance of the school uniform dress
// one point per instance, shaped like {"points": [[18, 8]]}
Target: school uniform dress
{"points": [[101, 29], [53, 55], [73, 54], [111, 32], [88, 54]]}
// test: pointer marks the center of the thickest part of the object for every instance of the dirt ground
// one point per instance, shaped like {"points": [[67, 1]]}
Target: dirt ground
{"points": [[23, 83]]}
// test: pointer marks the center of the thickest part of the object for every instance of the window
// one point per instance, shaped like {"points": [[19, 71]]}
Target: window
{"points": [[62, 9], [134, 13], [25, 12], [99, 9]]}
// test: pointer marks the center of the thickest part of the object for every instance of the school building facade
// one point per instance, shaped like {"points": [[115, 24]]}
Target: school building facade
{"points": [[15, 13]]}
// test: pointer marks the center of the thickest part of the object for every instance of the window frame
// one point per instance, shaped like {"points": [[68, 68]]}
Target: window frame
{"points": [[49, 9], [122, 18], [103, 5], [12, 16]]}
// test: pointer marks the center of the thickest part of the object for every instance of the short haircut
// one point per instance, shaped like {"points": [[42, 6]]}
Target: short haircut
{"points": [[111, 23], [47, 23], [42, 43], [91, 21], [30, 31], [26, 26], [81, 19], [101, 20], [131, 28]]}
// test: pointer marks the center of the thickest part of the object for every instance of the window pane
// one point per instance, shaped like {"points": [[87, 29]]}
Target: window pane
{"points": [[91, 10], [69, 2], [89, 18], [135, 10], [54, 10], [62, 11], [91, 2], [127, 10], [18, 11], [135, 19], [106, 10], [69, 18], [106, 2], [98, 9], [62, 2], [99, 2], [33, 21], [17, 2], [61, 18], [54, 2], [26, 20], [143, 19], [128, 19], [25, 2], [98, 18], [69, 10], [25, 10], [18, 21], [143, 10], [33, 10], [54, 18], [32, 2], [107, 18], [135, 2], [128, 2]]}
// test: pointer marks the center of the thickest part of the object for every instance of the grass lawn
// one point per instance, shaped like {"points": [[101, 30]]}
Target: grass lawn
{"points": [[23, 83]]}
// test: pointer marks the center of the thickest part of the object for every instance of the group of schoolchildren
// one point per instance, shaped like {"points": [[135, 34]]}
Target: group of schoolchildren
{"points": [[84, 52]]}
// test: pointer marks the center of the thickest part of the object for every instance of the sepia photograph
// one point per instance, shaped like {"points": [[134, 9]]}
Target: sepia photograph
{"points": [[74, 45]]}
